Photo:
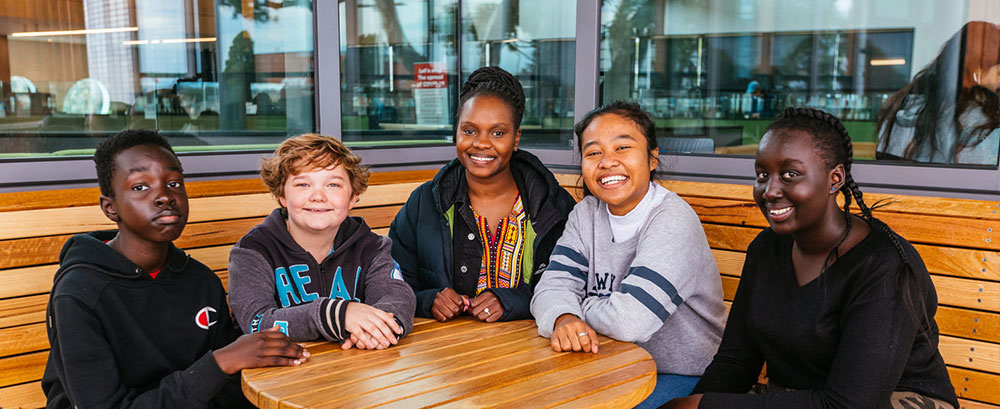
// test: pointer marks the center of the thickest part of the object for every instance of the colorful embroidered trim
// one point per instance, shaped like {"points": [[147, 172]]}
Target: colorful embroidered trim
{"points": [[501, 267]]}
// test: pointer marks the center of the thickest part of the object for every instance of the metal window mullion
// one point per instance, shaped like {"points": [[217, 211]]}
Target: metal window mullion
{"points": [[326, 57]]}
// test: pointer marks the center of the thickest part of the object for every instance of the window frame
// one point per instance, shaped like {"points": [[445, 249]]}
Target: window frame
{"points": [[24, 174]]}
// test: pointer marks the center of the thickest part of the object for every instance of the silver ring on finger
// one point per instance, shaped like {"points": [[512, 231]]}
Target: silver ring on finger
{"points": [[487, 311], [582, 334]]}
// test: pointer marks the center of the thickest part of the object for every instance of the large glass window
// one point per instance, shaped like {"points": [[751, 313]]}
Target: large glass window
{"points": [[211, 75], [536, 41], [715, 75], [401, 60]]}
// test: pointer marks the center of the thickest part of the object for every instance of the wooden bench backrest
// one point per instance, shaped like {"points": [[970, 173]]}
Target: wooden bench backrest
{"points": [[955, 238]]}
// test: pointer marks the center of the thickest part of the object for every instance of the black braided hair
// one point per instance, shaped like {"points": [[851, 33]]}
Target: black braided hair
{"points": [[835, 147], [497, 82], [104, 156]]}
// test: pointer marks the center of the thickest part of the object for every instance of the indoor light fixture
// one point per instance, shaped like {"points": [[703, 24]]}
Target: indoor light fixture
{"points": [[74, 32]]}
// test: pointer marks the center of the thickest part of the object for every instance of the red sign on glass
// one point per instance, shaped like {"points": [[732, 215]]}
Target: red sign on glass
{"points": [[429, 75]]}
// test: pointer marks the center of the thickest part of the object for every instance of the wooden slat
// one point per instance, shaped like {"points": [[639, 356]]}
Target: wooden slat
{"points": [[978, 355], [45, 222], [975, 385], [27, 280], [960, 262], [729, 262], [971, 404], [22, 368], [628, 391], [47, 199], [734, 238], [26, 396], [23, 310], [23, 339], [960, 322], [963, 292]]}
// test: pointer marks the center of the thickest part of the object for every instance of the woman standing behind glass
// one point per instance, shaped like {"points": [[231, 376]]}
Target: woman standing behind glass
{"points": [[475, 238]]}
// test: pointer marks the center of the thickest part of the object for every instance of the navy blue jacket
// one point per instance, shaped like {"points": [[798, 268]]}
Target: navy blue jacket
{"points": [[422, 232]]}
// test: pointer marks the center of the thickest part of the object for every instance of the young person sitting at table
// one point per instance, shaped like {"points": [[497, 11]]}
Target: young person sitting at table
{"points": [[633, 263], [309, 267], [132, 320], [839, 306], [476, 237]]}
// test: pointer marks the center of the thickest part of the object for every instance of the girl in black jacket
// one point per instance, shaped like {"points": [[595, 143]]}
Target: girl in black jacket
{"points": [[475, 237]]}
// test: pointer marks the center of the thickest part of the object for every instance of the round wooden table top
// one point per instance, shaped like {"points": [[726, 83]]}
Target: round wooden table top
{"points": [[460, 363]]}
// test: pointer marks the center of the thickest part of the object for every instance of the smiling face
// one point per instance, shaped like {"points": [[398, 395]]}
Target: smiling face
{"points": [[616, 162], [150, 202], [317, 200], [486, 136], [794, 188]]}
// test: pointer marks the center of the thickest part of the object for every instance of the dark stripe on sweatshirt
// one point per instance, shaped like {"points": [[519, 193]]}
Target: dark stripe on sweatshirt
{"points": [[570, 254], [575, 272], [659, 281], [647, 300]]}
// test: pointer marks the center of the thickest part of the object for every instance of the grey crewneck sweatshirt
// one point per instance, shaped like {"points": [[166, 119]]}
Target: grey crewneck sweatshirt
{"points": [[661, 288]]}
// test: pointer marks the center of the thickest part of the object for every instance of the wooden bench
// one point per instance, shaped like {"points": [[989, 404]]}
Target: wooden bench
{"points": [[955, 238]]}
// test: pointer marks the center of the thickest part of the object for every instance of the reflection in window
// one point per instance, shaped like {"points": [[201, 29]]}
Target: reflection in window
{"points": [[399, 78], [210, 75], [536, 41], [401, 62], [950, 111], [714, 77]]}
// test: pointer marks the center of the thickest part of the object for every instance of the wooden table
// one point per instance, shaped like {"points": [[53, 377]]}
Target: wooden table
{"points": [[459, 364]]}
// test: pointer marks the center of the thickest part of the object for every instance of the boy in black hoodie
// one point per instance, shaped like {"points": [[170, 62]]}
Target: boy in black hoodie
{"points": [[309, 268], [132, 320]]}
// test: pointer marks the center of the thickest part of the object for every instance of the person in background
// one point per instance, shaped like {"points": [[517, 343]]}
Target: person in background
{"points": [[476, 238], [950, 111]]}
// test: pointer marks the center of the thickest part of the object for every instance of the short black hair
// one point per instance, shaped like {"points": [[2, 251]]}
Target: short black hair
{"points": [[104, 156], [497, 82]]}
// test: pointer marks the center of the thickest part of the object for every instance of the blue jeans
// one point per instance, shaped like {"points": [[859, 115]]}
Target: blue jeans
{"points": [[668, 387]]}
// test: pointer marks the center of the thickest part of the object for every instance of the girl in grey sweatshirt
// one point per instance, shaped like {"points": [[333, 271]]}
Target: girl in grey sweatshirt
{"points": [[633, 262]]}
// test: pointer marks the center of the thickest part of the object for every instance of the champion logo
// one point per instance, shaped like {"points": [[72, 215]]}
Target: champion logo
{"points": [[205, 318]]}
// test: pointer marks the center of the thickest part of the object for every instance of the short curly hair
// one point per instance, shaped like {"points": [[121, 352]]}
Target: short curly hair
{"points": [[311, 151], [104, 156]]}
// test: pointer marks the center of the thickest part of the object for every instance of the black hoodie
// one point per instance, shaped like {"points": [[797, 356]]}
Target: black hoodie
{"points": [[274, 281], [120, 338]]}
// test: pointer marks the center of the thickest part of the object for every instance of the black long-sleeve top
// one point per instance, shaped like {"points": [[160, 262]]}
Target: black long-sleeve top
{"points": [[843, 340]]}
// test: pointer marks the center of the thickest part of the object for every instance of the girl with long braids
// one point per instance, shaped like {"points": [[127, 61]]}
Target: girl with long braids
{"points": [[839, 307], [475, 238]]}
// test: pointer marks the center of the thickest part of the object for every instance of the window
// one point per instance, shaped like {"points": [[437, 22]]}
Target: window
{"points": [[401, 61], [536, 41], [210, 75], [714, 76]]}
